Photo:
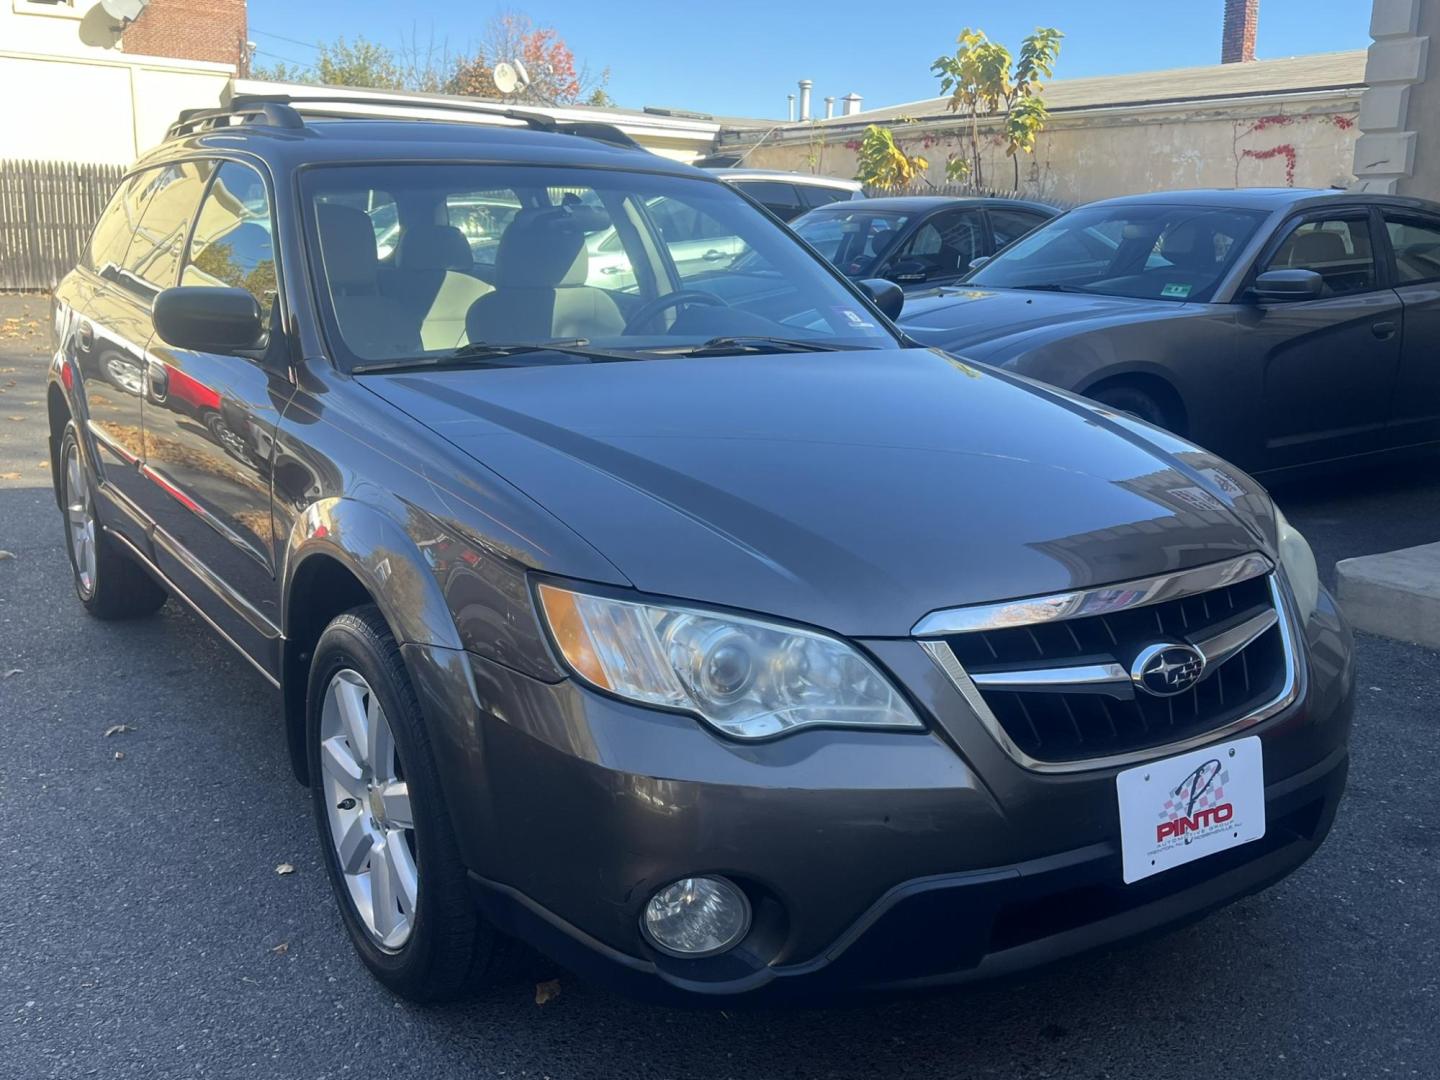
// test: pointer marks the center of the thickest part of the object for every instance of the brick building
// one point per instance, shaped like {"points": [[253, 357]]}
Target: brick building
{"points": [[212, 30]]}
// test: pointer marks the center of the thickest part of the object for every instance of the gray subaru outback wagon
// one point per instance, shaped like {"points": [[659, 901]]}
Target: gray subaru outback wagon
{"points": [[689, 623]]}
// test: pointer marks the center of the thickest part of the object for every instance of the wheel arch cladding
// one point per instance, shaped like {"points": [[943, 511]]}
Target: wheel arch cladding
{"points": [[341, 555], [1161, 389]]}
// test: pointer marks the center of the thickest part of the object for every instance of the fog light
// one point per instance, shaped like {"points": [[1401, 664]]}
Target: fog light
{"points": [[697, 916]]}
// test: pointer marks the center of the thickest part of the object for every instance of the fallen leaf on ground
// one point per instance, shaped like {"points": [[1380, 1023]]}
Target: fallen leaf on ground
{"points": [[8, 554], [281, 949], [117, 729], [284, 868], [12, 671], [15, 419], [9, 476], [119, 755], [547, 991]]}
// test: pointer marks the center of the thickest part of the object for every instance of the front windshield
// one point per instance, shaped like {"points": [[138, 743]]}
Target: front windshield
{"points": [[854, 240], [1177, 253], [421, 260]]}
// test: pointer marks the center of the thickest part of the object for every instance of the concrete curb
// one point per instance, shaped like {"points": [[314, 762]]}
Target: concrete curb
{"points": [[1395, 594]]}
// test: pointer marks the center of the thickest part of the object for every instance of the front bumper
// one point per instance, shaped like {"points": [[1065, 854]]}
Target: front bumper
{"points": [[872, 859]]}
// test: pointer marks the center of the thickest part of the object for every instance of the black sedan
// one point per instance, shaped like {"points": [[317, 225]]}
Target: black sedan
{"points": [[1279, 328], [917, 241]]}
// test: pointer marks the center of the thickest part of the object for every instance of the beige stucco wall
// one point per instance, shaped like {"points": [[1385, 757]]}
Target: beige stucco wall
{"points": [[1301, 142], [97, 110]]}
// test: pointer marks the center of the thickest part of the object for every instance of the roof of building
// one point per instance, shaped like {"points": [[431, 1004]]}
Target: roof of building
{"points": [[1322, 71]]}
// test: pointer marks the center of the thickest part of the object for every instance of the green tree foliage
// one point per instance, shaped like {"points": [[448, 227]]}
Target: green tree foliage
{"points": [[883, 164], [982, 81], [556, 77]]}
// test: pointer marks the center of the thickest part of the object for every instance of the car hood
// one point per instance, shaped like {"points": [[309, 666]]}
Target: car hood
{"points": [[854, 490], [961, 318]]}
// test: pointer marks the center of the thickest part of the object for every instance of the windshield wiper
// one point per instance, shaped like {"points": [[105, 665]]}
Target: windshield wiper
{"points": [[730, 345], [1053, 288], [481, 353]]}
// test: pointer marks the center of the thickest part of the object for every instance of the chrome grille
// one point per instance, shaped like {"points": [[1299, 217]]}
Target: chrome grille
{"points": [[1057, 689]]}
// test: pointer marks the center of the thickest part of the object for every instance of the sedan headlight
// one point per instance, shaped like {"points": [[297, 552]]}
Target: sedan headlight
{"points": [[747, 678], [1299, 564]]}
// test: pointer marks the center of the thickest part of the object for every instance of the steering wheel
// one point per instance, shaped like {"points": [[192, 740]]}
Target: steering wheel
{"points": [[648, 310]]}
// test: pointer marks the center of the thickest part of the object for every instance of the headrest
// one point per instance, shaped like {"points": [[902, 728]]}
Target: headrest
{"points": [[433, 247], [1318, 247], [542, 249], [1190, 245], [347, 241]]}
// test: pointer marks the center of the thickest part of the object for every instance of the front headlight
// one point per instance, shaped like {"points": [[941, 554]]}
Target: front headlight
{"points": [[747, 678], [1299, 564]]}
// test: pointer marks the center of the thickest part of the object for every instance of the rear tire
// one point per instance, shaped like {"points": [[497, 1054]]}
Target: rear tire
{"points": [[388, 844], [108, 581], [1138, 403]]}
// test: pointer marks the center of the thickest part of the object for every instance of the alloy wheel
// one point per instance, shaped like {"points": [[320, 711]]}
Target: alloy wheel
{"points": [[368, 809], [80, 523]]}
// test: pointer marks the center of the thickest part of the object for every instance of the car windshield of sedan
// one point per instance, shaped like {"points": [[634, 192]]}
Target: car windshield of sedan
{"points": [[1178, 253], [854, 240], [436, 263]]}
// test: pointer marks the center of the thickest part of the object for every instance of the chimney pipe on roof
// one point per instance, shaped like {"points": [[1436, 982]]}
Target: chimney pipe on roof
{"points": [[1242, 19], [790, 107], [805, 85], [829, 106], [850, 104]]}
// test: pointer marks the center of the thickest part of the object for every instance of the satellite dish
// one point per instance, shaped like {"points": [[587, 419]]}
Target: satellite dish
{"points": [[507, 79], [124, 10]]}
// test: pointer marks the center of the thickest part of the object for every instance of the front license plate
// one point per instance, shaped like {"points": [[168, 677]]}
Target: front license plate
{"points": [[1183, 808]]}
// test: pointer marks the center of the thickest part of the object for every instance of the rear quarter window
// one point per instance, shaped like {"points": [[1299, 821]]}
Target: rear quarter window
{"points": [[116, 226]]}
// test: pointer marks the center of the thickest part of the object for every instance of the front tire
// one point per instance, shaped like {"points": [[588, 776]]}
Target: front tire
{"points": [[1138, 403], [107, 580], [389, 848]]}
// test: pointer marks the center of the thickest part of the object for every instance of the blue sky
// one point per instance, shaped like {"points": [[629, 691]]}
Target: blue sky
{"points": [[741, 57]]}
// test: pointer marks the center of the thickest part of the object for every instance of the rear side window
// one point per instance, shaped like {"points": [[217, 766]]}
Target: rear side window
{"points": [[115, 227], [1338, 249], [815, 195], [1009, 225], [172, 195], [232, 244], [780, 199], [1416, 242]]}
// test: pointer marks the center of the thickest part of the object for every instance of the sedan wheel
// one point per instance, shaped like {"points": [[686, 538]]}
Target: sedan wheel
{"points": [[371, 825]]}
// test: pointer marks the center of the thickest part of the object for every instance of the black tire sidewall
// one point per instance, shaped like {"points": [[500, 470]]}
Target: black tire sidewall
{"points": [[354, 641]]}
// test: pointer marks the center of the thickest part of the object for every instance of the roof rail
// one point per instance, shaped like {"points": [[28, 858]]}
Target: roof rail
{"points": [[586, 129], [272, 113]]}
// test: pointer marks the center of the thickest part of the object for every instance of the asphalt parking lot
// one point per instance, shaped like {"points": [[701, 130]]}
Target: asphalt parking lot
{"points": [[145, 931]]}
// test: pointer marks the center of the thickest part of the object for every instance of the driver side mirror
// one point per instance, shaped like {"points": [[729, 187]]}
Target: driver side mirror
{"points": [[885, 295], [203, 318], [1288, 285], [909, 271]]}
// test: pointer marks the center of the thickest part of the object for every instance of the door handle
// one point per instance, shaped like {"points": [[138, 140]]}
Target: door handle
{"points": [[713, 255], [85, 336], [1383, 330]]}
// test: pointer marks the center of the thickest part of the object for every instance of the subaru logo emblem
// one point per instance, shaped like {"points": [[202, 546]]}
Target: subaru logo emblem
{"points": [[1167, 669]]}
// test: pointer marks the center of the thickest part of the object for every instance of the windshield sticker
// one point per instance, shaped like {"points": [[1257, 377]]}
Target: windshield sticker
{"points": [[1179, 292], [855, 319]]}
